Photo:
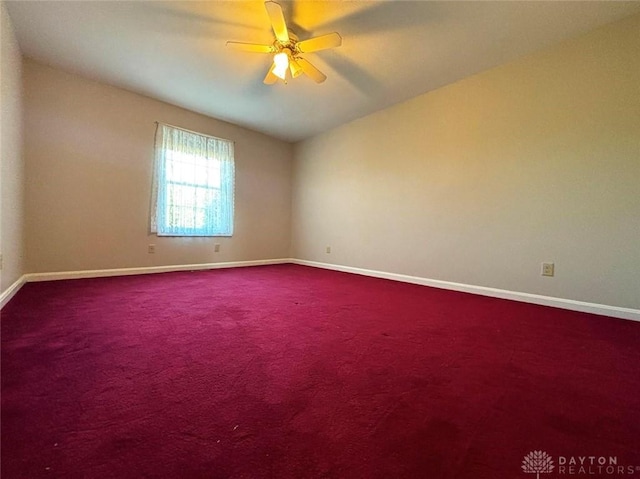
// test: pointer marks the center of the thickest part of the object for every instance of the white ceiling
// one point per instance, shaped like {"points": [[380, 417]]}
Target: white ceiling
{"points": [[391, 51]]}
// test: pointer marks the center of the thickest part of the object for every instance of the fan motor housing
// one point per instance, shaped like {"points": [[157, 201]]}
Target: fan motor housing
{"points": [[291, 45]]}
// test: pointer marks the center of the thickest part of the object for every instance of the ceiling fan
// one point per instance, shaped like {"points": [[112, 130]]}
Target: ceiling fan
{"points": [[287, 49]]}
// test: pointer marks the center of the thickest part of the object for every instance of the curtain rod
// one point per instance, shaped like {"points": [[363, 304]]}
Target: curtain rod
{"points": [[194, 132]]}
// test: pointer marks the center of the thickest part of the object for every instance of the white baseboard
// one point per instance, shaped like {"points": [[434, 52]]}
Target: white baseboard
{"points": [[593, 308], [11, 291], [100, 273]]}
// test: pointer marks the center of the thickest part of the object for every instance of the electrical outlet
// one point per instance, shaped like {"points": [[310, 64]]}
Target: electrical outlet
{"points": [[216, 247], [547, 269], [152, 249], [328, 250]]}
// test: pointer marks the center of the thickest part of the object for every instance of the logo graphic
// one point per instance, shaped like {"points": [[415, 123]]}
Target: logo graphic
{"points": [[537, 462]]}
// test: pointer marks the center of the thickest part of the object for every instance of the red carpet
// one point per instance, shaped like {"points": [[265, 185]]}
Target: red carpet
{"points": [[293, 372]]}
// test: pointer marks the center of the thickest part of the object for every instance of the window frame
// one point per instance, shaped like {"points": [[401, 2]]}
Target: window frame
{"points": [[221, 195]]}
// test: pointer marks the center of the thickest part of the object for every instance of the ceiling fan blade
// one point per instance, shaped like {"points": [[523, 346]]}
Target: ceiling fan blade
{"points": [[330, 40], [271, 78], [277, 21], [311, 71], [295, 68], [250, 47]]}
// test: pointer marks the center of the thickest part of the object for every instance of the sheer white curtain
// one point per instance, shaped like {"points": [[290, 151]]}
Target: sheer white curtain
{"points": [[193, 184]]}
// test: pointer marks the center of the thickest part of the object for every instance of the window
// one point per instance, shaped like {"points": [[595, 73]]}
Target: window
{"points": [[193, 184]]}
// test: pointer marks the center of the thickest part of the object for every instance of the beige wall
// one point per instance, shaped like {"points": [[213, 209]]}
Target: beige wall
{"points": [[11, 160], [480, 181], [89, 151]]}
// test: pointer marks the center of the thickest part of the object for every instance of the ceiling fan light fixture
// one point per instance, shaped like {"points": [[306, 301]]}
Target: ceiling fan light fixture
{"points": [[296, 69], [287, 49], [281, 62]]}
